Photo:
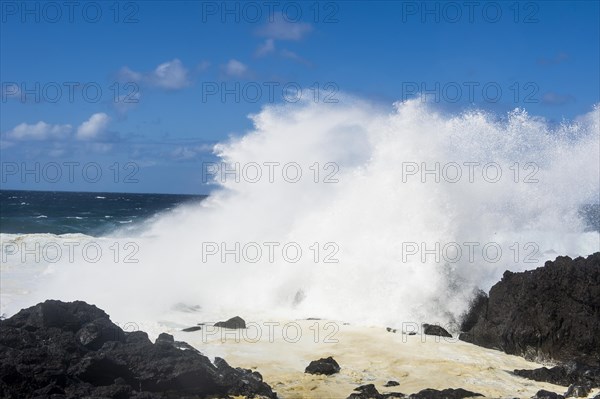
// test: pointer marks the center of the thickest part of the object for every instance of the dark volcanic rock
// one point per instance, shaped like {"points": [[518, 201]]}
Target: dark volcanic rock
{"points": [[191, 329], [233, 323], [365, 391], [543, 394], [444, 394], [370, 392], [325, 366], [565, 375], [552, 312], [73, 350], [391, 384], [578, 391], [432, 329]]}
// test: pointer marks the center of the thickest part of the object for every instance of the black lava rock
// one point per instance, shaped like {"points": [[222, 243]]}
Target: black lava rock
{"points": [[552, 312], [370, 392], [578, 391], [565, 375], [191, 329], [391, 384], [233, 323], [326, 366], [543, 394], [432, 329], [444, 394], [73, 350]]}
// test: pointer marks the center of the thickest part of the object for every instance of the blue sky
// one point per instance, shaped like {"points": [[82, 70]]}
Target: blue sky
{"points": [[136, 87]]}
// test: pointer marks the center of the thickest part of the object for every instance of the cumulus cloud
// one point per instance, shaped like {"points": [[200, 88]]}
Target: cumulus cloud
{"points": [[185, 153], [267, 47], [235, 69], [39, 131], [281, 29], [93, 127], [170, 75], [126, 102]]}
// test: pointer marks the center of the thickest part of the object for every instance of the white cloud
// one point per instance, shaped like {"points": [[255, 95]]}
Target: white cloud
{"points": [[39, 131], [126, 102], [552, 98], [170, 75], [184, 153], [281, 29], [295, 57], [93, 127], [267, 47], [236, 69]]}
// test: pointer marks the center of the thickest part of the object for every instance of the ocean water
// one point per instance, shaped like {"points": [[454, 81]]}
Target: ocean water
{"points": [[95, 214], [362, 234]]}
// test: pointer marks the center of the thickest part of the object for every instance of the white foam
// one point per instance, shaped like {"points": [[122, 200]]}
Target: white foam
{"points": [[368, 215]]}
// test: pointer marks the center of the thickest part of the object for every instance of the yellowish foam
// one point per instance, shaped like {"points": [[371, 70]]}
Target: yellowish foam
{"points": [[366, 355]]}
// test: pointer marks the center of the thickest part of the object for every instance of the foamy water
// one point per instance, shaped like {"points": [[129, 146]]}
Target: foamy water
{"points": [[368, 224]]}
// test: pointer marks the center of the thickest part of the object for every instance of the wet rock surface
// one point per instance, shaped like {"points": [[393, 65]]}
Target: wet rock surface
{"points": [[233, 323], [326, 366], [444, 394], [550, 313], [432, 329], [72, 350]]}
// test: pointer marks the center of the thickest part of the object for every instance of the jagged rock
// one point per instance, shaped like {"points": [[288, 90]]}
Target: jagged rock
{"points": [[327, 366], [578, 391], [233, 323], [552, 312], [370, 392], [444, 394], [543, 394], [73, 350], [565, 375], [192, 329], [432, 329], [391, 384], [365, 391], [477, 307]]}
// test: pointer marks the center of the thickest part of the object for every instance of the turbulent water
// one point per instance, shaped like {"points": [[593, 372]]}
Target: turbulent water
{"points": [[347, 211], [95, 214]]}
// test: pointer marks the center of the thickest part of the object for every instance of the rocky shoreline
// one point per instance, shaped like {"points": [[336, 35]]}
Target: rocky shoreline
{"points": [[64, 350]]}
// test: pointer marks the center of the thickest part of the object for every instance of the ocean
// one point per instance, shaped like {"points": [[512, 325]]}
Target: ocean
{"points": [[94, 214]]}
